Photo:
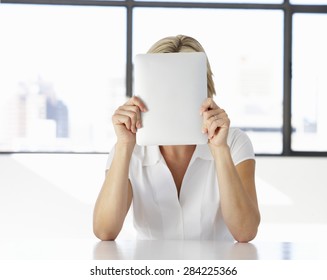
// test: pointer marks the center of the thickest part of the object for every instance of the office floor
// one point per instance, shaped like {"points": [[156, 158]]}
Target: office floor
{"points": [[51, 197]]}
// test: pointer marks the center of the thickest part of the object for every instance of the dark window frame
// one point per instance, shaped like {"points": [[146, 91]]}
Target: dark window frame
{"points": [[286, 7]]}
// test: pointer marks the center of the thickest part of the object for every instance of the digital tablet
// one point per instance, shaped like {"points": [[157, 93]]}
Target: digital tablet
{"points": [[173, 86]]}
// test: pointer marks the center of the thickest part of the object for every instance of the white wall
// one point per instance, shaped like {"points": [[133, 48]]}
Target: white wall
{"points": [[292, 194], [49, 195]]}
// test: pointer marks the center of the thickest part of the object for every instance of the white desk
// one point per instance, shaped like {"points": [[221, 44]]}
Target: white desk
{"points": [[209, 250], [89, 249]]}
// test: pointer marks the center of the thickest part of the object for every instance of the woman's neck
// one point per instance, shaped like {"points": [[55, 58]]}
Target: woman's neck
{"points": [[177, 152], [177, 159]]}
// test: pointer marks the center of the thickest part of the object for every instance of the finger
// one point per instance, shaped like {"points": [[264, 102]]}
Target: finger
{"points": [[209, 116], [118, 119], [204, 129], [131, 114], [212, 113], [214, 116], [136, 110], [214, 127], [136, 101], [222, 121], [208, 104]]}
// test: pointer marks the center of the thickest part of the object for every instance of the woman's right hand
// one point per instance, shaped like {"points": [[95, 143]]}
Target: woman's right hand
{"points": [[127, 119]]}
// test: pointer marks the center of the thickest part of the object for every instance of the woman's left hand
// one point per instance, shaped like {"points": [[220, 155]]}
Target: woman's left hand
{"points": [[215, 123]]}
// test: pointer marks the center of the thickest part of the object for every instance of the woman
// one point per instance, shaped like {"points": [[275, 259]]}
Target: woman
{"points": [[180, 192]]}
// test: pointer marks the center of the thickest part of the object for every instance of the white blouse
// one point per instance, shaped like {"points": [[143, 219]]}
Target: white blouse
{"points": [[196, 214]]}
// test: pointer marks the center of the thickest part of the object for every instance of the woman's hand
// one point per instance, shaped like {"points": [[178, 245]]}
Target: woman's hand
{"points": [[127, 119], [215, 123]]}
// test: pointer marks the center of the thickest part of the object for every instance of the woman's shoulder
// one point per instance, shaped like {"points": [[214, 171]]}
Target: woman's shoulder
{"points": [[236, 136], [240, 145], [146, 155], [142, 155]]}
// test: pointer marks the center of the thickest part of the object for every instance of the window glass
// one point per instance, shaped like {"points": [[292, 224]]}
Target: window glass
{"points": [[244, 48], [309, 83], [62, 73], [309, 2]]}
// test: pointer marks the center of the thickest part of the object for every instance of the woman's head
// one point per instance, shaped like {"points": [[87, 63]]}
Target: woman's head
{"points": [[182, 43]]}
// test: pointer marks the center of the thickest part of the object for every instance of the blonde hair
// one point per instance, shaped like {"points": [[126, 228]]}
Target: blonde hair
{"points": [[182, 43]]}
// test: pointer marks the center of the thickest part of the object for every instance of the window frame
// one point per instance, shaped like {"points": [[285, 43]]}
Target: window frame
{"points": [[286, 7]]}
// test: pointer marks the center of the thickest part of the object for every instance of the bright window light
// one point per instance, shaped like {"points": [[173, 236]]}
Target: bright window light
{"points": [[62, 73], [309, 83]]}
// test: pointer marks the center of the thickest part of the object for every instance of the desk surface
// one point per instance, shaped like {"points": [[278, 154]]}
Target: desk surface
{"points": [[88, 249]]}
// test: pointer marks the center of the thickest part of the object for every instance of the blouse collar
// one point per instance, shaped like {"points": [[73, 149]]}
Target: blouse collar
{"points": [[151, 155]]}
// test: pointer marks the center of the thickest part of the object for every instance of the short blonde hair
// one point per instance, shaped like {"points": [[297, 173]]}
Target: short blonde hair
{"points": [[182, 43]]}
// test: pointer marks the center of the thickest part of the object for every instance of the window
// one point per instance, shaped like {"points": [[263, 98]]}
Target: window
{"points": [[66, 67], [62, 73], [246, 59], [309, 83]]}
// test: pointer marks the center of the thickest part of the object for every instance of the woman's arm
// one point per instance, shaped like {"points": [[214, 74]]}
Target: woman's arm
{"points": [[236, 183], [237, 194], [115, 197]]}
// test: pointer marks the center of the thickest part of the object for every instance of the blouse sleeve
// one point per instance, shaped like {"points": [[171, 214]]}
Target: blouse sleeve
{"points": [[110, 158], [132, 164], [240, 146]]}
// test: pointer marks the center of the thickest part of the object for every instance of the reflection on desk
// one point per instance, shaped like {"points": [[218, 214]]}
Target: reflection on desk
{"points": [[91, 248], [176, 249], [207, 250]]}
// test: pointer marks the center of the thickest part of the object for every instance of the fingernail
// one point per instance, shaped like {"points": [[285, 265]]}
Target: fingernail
{"points": [[138, 124]]}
